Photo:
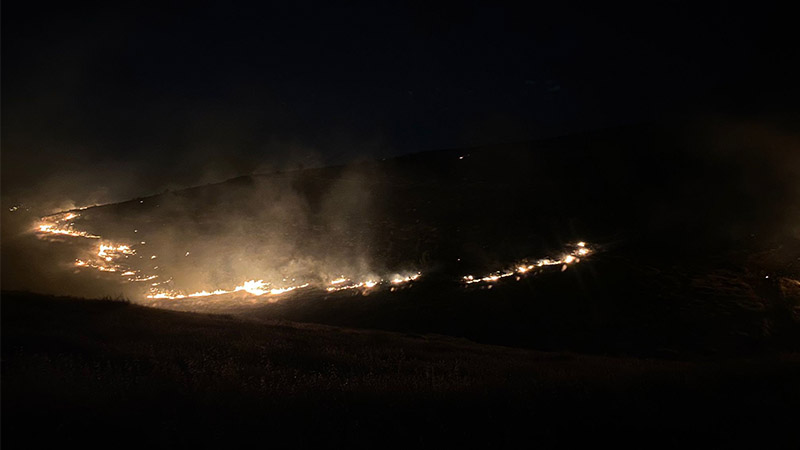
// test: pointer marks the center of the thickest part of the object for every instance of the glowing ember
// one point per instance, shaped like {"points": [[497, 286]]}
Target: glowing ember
{"points": [[253, 287], [364, 285], [110, 250], [96, 266], [469, 279], [206, 293], [148, 278], [399, 279], [286, 289], [60, 225], [580, 250], [56, 230]]}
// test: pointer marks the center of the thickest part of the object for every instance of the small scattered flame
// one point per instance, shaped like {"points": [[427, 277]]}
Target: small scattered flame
{"points": [[146, 278], [399, 279], [570, 258], [113, 251], [341, 284], [61, 225], [52, 229], [93, 265]]}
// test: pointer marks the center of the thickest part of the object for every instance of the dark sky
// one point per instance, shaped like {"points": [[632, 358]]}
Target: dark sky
{"points": [[127, 98]]}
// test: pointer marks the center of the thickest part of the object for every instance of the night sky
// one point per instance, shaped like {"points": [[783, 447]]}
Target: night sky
{"points": [[107, 101]]}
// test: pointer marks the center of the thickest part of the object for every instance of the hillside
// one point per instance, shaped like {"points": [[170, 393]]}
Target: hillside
{"points": [[692, 233]]}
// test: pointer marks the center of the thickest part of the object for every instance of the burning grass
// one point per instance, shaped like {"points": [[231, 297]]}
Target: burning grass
{"points": [[124, 259]]}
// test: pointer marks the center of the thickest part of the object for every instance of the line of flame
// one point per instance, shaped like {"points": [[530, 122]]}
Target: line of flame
{"points": [[108, 253]]}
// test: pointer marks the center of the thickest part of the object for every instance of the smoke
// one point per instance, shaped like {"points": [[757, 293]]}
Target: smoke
{"points": [[760, 157], [287, 228], [266, 227]]}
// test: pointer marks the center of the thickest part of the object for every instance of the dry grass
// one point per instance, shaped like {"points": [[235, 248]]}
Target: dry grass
{"points": [[111, 373]]}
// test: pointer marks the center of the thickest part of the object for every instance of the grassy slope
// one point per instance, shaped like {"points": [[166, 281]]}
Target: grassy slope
{"points": [[110, 373], [613, 303]]}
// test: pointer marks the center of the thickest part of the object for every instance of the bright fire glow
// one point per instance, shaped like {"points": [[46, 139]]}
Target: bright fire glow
{"points": [[257, 288], [399, 279], [53, 229], [253, 287], [570, 258], [60, 225], [110, 257]]}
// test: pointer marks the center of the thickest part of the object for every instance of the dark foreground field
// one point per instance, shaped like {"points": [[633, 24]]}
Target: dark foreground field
{"points": [[111, 374]]}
